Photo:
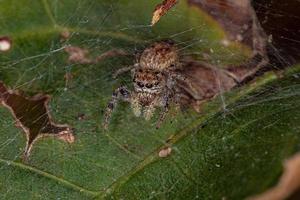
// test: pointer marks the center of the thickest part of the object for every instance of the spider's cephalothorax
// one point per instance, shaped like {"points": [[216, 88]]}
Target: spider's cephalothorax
{"points": [[154, 76]]}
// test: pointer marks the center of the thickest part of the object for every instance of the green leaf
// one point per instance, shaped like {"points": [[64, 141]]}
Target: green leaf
{"points": [[228, 153]]}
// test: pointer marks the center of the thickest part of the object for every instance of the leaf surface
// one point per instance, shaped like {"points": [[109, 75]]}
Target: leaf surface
{"points": [[219, 153]]}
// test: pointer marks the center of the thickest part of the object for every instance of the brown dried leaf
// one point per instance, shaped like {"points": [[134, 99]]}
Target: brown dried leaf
{"points": [[234, 16], [81, 56], [161, 9], [32, 115], [204, 83], [240, 22], [238, 19], [288, 183]]}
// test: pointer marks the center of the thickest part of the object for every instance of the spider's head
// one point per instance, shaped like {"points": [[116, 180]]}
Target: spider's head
{"points": [[148, 81]]}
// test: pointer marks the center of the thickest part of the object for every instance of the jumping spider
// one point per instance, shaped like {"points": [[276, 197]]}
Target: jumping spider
{"points": [[154, 78]]}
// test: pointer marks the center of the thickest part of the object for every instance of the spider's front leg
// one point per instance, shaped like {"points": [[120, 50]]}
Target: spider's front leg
{"points": [[166, 98], [135, 105], [124, 70], [149, 111], [121, 93], [163, 115]]}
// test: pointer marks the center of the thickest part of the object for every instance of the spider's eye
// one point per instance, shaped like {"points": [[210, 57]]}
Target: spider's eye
{"points": [[140, 84], [149, 85]]}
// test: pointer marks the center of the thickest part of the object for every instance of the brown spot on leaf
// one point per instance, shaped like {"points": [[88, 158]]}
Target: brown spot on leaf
{"points": [[5, 43], [78, 55], [81, 116], [110, 54], [165, 152], [161, 9], [68, 78], [32, 115], [65, 35], [81, 56], [288, 183]]}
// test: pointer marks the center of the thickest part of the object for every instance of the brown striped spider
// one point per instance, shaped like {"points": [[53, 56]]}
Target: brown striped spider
{"points": [[154, 78], [160, 77]]}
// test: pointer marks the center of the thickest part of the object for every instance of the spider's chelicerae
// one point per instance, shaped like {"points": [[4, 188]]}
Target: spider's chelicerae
{"points": [[154, 78]]}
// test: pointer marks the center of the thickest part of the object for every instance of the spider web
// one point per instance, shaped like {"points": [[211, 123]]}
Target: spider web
{"points": [[38, 63]]}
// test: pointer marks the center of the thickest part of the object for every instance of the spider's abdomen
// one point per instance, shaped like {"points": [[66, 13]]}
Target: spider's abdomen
{"points": [[159, 56]]}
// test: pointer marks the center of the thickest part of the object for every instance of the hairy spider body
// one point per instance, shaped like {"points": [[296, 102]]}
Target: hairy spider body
{"points": [[154, 76]]}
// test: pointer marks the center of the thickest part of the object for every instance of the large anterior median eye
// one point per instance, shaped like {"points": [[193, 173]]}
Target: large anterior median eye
{"points": [[140, 84], [149, 85]]}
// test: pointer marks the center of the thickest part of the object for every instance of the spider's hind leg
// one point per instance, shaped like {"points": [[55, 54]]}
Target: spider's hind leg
{"points": [[162, 116], [121, 93], [169, 96]]}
